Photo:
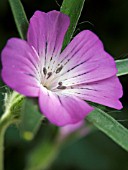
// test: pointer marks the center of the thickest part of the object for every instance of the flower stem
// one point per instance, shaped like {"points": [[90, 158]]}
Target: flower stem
{"points": [[1, 149], [4, 123], [10, 116]]}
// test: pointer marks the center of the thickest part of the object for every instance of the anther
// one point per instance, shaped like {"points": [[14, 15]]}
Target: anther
{"points": [[59, 69], [44, 71], [61, 87], [60, 83], [49, 74]]}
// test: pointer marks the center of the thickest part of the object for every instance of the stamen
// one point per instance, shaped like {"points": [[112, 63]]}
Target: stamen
{"points": [[61, 87], [44, 71], [60, 83], [59, 69], [49, 74]]}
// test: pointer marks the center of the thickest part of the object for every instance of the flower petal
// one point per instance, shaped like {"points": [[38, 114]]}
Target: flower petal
{"points": [[46, 33], [20, 67], [62, 110], [106, 92], [70, 128], [84, 60]]}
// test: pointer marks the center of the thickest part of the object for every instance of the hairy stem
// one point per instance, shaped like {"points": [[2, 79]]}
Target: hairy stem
{"points": [[1, 148], [10, 116], [4, 123]]}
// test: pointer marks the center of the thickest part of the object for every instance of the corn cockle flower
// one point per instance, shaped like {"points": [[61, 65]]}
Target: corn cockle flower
{"points": [[61, 80], [78, 128]]}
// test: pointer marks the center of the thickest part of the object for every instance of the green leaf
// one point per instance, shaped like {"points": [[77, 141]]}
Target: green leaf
{"points": [[122, 66], [42, 156], [110, 127], [31, 119], [19, 17], [73, 9]]}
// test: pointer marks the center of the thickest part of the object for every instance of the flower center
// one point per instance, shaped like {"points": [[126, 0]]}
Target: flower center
{"points": [[49, 80]]}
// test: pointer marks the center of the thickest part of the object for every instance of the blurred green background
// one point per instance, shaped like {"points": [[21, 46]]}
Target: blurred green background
{"points": [[109, 20]]}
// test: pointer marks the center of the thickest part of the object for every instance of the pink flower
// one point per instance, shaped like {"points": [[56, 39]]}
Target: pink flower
{"points": [[80, 128], [61, 80]]}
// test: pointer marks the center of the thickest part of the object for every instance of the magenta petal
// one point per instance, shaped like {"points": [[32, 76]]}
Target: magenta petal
{"points": [[85, 60], [62, 110], [19, 67], [106, 92], [46, 33], [70, 128]]}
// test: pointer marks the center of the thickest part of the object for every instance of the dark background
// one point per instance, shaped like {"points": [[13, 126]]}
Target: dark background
{"points": [[109, 20]]}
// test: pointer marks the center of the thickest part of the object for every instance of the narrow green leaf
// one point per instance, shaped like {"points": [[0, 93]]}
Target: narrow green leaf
{"points": [[19, 17], [73, 9], [42, 156], [31, 119], [122, 66], [110, 127]]}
